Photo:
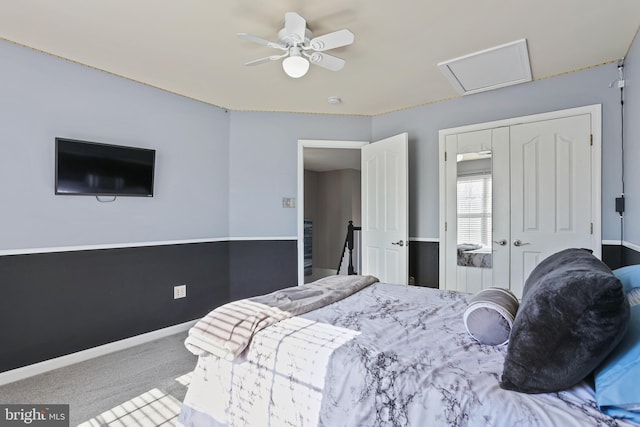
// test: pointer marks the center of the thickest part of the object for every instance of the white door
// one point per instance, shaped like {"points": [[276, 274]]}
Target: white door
{"points": [[473, 144], [494, 144], [551, 196], [546, 192], [385, 209]]}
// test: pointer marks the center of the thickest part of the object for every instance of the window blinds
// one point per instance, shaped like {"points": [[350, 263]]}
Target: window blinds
{"points": [[474, 209]]}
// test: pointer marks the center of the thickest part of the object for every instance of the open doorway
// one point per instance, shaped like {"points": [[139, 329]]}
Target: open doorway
{"points": [[329, 196]]}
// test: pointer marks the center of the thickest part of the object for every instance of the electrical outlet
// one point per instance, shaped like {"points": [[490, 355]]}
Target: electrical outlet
{"points": [[179, 291]]}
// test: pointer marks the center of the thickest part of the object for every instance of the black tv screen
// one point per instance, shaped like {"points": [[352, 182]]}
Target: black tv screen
{"points": [[91, 168]]}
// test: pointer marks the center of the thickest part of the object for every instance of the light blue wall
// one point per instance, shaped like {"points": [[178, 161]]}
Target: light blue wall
{"points": [[42, 97], [632, 143], [566, 91], [223, 174], [263, 150]]}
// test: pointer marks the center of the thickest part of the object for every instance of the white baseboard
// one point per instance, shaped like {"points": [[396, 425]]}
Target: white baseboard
{"points": [[626, 244], [69, 359], [632, 246]]}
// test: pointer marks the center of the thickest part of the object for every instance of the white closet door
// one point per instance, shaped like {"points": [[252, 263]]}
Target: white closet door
{"points": [[463, 278], [551, 195]]}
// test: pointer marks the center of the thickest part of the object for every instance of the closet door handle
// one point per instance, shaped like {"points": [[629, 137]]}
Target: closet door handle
{"points": [[519, 243], [399, 243], [502, 242]]}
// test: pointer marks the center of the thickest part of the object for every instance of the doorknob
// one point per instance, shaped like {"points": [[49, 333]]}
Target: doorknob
{"points": [[399, 243], [519, 243], [502, 242]]}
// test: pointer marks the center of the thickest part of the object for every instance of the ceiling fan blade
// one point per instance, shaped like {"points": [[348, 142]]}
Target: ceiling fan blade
{"points": [[327, 61], [260, 40], [295, 25], [332, 40], [264, 60]]}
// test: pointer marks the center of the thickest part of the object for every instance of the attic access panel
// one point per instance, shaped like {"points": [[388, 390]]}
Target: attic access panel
{"points": [[489, 69]]}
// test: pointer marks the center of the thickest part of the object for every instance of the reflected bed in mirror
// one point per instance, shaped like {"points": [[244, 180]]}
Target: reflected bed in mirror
{"points": [[472, 255]]}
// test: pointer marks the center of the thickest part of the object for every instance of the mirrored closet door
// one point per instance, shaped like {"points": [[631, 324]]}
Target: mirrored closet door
{"points": [[477, 221], [512, 195]]}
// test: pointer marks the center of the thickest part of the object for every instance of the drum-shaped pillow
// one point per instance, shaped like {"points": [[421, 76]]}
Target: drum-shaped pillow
{"points": [[490, 315]]}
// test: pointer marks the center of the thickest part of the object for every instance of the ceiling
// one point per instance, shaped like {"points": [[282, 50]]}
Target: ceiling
{"points": [[329, 159], [190, 47]]}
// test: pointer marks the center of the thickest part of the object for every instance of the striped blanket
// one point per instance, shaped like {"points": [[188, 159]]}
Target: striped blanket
{"points": [[227, 330]]}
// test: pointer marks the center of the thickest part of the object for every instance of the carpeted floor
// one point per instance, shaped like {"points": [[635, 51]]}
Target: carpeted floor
{"points": [[140, 386]]}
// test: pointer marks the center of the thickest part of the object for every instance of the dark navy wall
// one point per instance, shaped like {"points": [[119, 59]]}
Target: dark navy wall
{"points": [[55, 304], [616, 256], [259, 267], [424, 263]]}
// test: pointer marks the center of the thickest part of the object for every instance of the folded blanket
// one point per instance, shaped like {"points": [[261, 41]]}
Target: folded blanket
{"points": [[227, 330]]}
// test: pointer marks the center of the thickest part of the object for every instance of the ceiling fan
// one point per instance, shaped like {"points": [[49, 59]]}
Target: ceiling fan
{"points": [[301, 48]]}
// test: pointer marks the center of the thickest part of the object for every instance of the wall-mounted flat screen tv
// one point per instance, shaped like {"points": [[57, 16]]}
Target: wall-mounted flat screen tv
{"points": [[91, 168]]}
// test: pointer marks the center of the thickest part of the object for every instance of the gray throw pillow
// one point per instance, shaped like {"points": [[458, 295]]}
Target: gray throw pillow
{"points": [[490, 315], [573, 313]]}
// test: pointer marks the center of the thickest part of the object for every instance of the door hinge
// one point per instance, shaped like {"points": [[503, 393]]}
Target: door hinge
{"points": [[445, 226], [591, 140], [445, 156], [591, 228]]}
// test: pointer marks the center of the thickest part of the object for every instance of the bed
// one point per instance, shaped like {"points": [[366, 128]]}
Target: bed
{"points": [[386, 355]]}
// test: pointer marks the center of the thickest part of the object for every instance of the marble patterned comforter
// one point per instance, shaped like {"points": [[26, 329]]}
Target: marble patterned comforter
{"points": [[389, 355]]}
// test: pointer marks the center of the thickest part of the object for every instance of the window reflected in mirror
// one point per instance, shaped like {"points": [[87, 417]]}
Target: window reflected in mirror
{"points": [[474, 209]]}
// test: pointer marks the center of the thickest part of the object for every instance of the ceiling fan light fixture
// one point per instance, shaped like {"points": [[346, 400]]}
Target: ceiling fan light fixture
{"points": [[295, 66], [300, 47]]}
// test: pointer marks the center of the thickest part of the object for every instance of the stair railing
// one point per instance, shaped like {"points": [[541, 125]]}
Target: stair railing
{"points": [[348, 244]]}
